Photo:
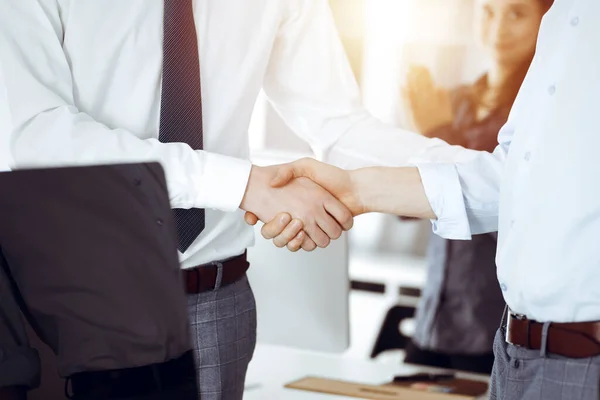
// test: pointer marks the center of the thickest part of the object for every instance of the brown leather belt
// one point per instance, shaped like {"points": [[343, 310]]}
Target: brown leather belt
{"points": [[204, 277], [573, 340]]}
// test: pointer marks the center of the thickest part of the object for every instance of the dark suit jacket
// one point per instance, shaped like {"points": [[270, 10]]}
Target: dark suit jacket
{"points": [[89, 255]]}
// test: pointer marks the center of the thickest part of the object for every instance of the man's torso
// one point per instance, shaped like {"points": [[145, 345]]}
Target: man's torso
{"points": [[548, 253], [114, 49]]}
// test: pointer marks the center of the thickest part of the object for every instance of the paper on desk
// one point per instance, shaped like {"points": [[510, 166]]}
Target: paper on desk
{"points": [[373, 392]]}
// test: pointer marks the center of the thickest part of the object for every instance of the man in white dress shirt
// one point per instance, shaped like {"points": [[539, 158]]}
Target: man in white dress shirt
{"points": [[539, 189], [86, 84]]}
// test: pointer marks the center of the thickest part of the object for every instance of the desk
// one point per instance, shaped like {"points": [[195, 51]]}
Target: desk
{"points": [[275, 366]]}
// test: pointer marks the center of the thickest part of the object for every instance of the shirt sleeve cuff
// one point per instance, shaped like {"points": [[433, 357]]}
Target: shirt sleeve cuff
{"points": [[226, 179], [444, 192]]}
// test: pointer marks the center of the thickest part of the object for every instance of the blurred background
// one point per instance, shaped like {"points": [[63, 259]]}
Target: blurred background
{"points": [[382, 39]]}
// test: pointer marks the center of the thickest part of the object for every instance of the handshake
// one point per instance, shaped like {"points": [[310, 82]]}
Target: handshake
{"points": [[305, 204]]}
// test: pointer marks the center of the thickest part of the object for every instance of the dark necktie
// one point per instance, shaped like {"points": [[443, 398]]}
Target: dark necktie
{"points": [[181, 101]]}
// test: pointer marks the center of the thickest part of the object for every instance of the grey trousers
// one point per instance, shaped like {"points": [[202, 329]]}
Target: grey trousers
{"points": [[523, 374], [223, 324]]}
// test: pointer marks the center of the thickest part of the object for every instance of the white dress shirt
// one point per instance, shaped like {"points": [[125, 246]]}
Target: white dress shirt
{"points": [[4, 126], [84, 79], [540, 187]]}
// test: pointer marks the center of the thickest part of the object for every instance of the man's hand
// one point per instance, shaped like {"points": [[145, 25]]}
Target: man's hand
{"points": [[338, 182], [387, 190], [286, 231], [314, 210]]}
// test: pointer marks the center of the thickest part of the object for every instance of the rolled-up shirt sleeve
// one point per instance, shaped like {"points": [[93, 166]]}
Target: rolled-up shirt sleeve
{"points": [[465, 195], [19, 363]]}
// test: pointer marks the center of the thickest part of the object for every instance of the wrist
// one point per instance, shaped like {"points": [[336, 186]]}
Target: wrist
{"points": [[391, 190], [248, 193], [259, 177], [361, 191]]}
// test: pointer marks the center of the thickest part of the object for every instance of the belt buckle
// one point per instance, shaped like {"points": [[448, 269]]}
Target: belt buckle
{"points": [[520, 317], [517, 316]]}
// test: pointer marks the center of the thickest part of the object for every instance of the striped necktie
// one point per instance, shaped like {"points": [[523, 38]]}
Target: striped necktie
{"points": [[181, 101]]}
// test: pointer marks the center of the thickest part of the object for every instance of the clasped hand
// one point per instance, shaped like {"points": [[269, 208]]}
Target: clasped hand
{"points": [[304, 204]]}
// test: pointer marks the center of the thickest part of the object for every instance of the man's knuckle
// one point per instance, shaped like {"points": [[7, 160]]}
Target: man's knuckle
{"points": [[347, 216], [312, 226], [324, 242], [308, 245]]}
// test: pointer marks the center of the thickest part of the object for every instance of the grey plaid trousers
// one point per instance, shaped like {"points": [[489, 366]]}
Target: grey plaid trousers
{"points": [[223, 324], [523, 374]]}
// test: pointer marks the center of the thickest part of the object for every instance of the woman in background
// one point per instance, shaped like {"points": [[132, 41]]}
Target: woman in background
{"points": [[462, 304]]}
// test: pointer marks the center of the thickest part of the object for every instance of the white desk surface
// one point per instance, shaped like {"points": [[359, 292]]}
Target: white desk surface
{"points": [[273, 367]]}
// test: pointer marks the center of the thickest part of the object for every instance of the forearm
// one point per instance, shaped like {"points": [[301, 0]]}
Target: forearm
{"points": [[65, 137], [393, 191]]}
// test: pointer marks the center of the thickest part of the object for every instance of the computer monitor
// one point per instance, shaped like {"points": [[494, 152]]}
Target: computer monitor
{"points": [[302, 298]]}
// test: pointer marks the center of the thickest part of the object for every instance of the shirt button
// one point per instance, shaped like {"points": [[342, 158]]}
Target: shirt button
{"points": [[575, 21], [137, 181], [159, 222], [551, 89], [527, 156], [503, 287]]}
